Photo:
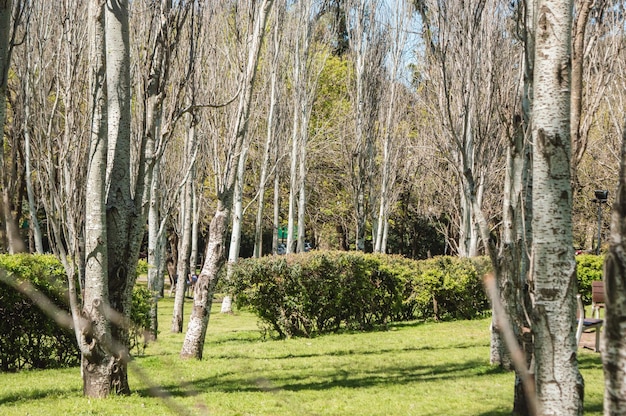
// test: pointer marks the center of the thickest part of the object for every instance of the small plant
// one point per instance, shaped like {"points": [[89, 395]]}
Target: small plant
{"points": [[142, 267], [140, 318]]}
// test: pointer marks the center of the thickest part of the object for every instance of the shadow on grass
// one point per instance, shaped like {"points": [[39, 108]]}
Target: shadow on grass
{"points": [[590, 361], [348, 352], [36, 395], [321, 379]]}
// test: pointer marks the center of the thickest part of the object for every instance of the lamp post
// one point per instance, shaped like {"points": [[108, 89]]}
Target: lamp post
{"points": [[601, 198]]}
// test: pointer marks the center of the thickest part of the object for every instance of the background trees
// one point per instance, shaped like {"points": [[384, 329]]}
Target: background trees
{"points": [[358, 154], [425, 148]]}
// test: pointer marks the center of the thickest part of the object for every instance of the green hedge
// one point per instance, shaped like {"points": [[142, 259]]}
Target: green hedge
{"points": [[319, 292], [588, 268], [29, 338]]}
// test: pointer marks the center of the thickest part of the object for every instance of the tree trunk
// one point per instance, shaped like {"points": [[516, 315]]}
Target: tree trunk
{"points": [[270, 137], [34, 221], [276, 215], [195, 211], [155, 259], [237, 220], [193, 344], [203, 295], [184, 250], [15, 243], [298, 96], [559, 383], [614, 333], [95, 340], [122, 216], [579, 141]]}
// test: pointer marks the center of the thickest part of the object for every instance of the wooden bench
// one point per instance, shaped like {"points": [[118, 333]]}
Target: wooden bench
{"points": [[597, 298]]}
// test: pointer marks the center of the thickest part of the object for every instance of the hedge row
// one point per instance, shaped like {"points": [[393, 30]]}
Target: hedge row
{"points": [[29, 338], [319, 292]]}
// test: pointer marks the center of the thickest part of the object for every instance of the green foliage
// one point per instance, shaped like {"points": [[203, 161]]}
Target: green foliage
{"points": [[140, 318], [319, 292], [142, 267], [588, 268], [30, 339]]}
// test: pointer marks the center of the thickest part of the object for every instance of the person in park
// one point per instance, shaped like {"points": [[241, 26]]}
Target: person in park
{"points": [[191, 283]]}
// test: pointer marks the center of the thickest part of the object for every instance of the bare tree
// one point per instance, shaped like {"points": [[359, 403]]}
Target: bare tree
{"points": [[308, 58], [462, 43], [592, 71], [26, 93], [203, 295], [399, 27], [368, 44], [271, 130]]}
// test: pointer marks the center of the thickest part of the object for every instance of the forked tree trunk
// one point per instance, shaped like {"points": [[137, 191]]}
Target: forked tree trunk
{"points": [[193, 344], [559, 384]]}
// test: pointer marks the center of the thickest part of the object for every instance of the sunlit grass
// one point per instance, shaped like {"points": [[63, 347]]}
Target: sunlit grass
{"points": [[411, 369]]}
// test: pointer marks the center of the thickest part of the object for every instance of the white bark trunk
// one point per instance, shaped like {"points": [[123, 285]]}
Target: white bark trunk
{"points": [[97, 361], [614, 332], [155, 260], [34, 222], [269, 138], [186, 217], [301, 185], [559, 384], [237, 219], [276, 216], [203, 294], [295, 136], [195, 209]]}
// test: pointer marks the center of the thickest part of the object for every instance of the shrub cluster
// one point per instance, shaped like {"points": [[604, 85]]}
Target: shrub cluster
{"points": [[318, 292], [31, 339]]}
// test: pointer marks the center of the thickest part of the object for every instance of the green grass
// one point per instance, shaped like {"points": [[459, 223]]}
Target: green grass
{"points": [[411, 369]]}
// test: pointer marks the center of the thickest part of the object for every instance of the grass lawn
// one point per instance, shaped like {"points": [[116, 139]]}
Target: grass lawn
{"points": [[411, 369]]}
